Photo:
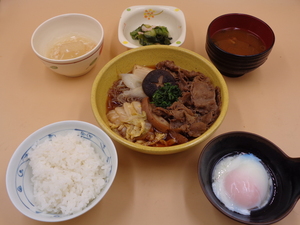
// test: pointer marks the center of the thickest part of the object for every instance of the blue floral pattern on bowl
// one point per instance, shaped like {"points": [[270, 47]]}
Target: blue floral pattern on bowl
{"points": [[24, 170], [19, 173]]}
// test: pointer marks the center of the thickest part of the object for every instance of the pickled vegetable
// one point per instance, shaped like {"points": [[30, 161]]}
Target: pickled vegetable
{"points": [[150, 35]]}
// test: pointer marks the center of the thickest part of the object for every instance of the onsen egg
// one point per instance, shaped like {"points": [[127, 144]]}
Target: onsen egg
{"points": [[242, 183]]}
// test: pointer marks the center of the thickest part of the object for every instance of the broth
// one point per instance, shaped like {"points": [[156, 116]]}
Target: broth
{"points": [[238, 41], [70, 47]]}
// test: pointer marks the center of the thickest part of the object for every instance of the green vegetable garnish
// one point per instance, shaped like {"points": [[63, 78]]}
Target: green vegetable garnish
{"points": [[165, 96], [149, 35]]}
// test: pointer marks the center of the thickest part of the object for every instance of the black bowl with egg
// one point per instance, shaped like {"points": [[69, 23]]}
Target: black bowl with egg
{"points": [[284, 172], [238, 43]]}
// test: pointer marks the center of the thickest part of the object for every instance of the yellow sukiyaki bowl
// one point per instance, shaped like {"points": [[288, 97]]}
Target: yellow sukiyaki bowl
{"points": [[132, 130]]}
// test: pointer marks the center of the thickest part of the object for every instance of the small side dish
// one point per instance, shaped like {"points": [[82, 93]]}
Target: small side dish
{"points": [[248, 178], [69, 44], [161, 17]]}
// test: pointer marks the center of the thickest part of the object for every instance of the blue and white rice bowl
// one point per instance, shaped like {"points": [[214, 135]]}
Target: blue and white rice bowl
{"points": [[19, 172]]}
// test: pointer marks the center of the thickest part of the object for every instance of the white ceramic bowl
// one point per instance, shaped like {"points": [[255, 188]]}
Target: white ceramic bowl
{"points": [[19, 173], [168, 16], [60, 26]]}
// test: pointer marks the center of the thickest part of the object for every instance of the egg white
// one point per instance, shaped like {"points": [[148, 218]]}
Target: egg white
{"points": [[253, 174]]}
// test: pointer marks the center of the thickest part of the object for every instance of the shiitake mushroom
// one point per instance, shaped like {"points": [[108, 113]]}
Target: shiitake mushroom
{"points": [[156, 79]]}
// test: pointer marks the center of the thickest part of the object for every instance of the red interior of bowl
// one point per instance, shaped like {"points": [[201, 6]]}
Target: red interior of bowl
{"points": [[243, 21]]}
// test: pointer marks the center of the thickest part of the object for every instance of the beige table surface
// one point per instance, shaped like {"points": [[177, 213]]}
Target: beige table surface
{"points": [[148, 189]]}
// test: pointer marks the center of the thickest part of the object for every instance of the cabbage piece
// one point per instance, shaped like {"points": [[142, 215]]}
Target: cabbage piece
{"points": [[128, 120]]}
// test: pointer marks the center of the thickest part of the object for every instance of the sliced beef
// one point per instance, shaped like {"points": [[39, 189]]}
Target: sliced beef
{"points": [[203, 95], [197, 128], [197, 108]]}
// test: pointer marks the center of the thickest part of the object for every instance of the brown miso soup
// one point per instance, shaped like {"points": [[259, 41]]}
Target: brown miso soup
{"points": [[238, 41]]}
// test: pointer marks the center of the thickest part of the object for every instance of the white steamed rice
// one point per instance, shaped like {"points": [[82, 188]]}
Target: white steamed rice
{"points": [[67, 174]]}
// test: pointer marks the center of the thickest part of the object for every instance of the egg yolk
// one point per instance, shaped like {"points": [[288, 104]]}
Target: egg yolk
{"points": [[242, 188]]}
